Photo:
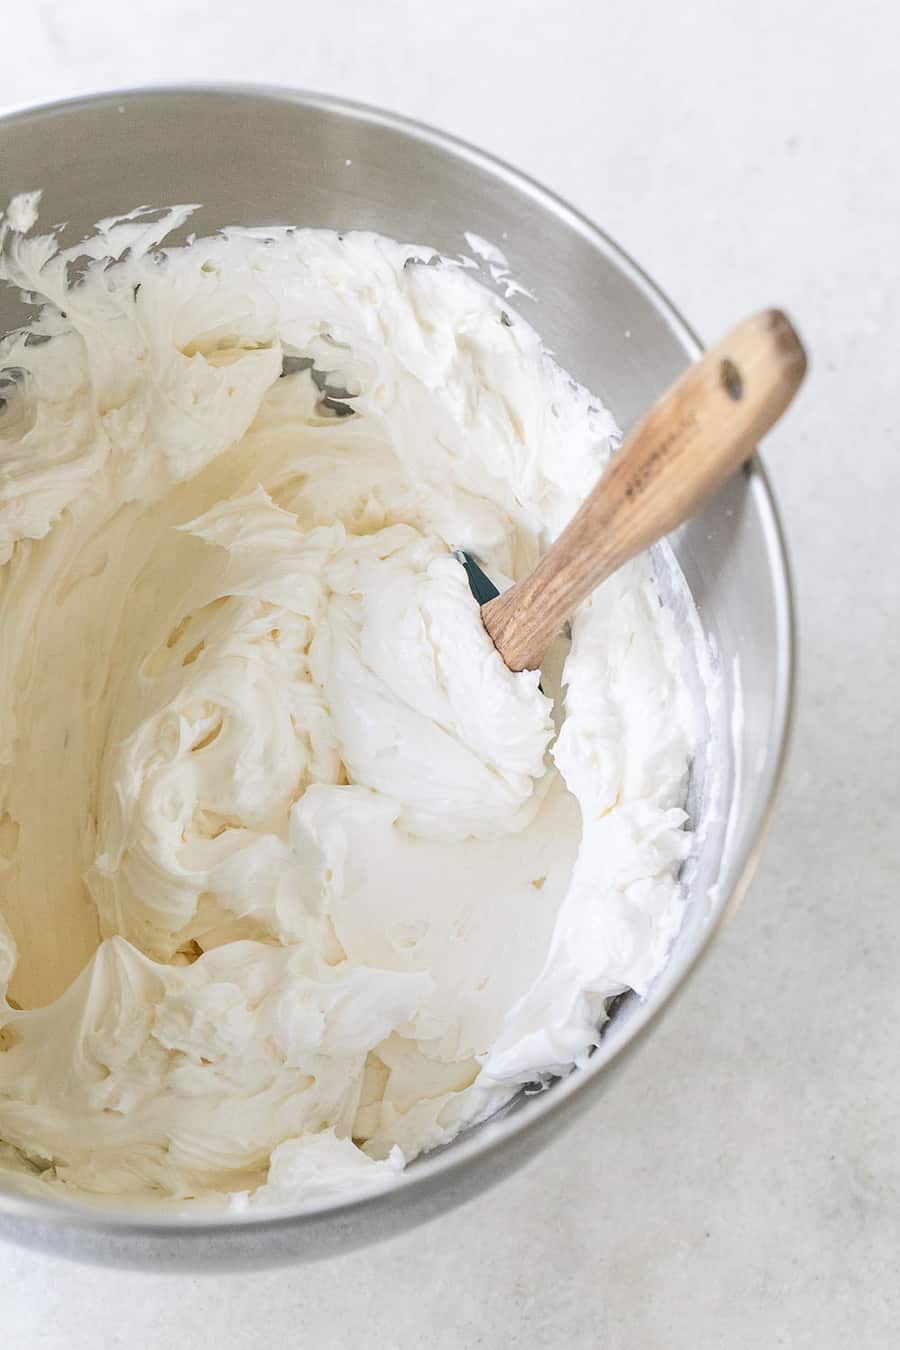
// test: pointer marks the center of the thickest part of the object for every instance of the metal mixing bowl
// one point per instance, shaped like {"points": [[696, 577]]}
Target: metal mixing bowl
{"points": [[254, 156]]}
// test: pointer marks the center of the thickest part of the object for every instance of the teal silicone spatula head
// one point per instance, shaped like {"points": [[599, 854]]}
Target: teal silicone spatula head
{"points": [[480, 584]]}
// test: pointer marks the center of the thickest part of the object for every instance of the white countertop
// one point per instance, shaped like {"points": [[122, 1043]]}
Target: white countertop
{"points": [[741, 1185]]}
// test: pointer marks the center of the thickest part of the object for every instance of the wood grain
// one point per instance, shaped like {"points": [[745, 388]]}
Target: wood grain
{"points": [[693, 438]]}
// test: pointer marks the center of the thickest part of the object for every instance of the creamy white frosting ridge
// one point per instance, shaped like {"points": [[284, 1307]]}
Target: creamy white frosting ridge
{"points": [[347, 885]]}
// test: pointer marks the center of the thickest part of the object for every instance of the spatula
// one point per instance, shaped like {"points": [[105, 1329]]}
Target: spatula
{"points": [[694, 437]]}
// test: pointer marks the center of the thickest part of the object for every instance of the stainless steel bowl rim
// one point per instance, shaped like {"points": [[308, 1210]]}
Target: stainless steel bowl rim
{"points": [[441, 1167]]}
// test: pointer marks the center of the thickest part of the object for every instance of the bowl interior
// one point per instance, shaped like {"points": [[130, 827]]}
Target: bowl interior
{"points": [[260, 157]]}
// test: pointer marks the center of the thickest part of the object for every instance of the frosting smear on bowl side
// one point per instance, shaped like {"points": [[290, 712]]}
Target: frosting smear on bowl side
{"points": [[332, 885]]}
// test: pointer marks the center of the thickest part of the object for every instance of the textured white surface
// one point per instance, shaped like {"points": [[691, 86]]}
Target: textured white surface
{"points": [[741, 1187]]}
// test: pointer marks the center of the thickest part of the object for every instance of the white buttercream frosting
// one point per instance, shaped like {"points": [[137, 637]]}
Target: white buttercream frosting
{"points": [[352, 888]]}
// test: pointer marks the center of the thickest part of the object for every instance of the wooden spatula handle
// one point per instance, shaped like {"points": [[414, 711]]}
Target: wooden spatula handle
{"points": [[694, 438]]}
